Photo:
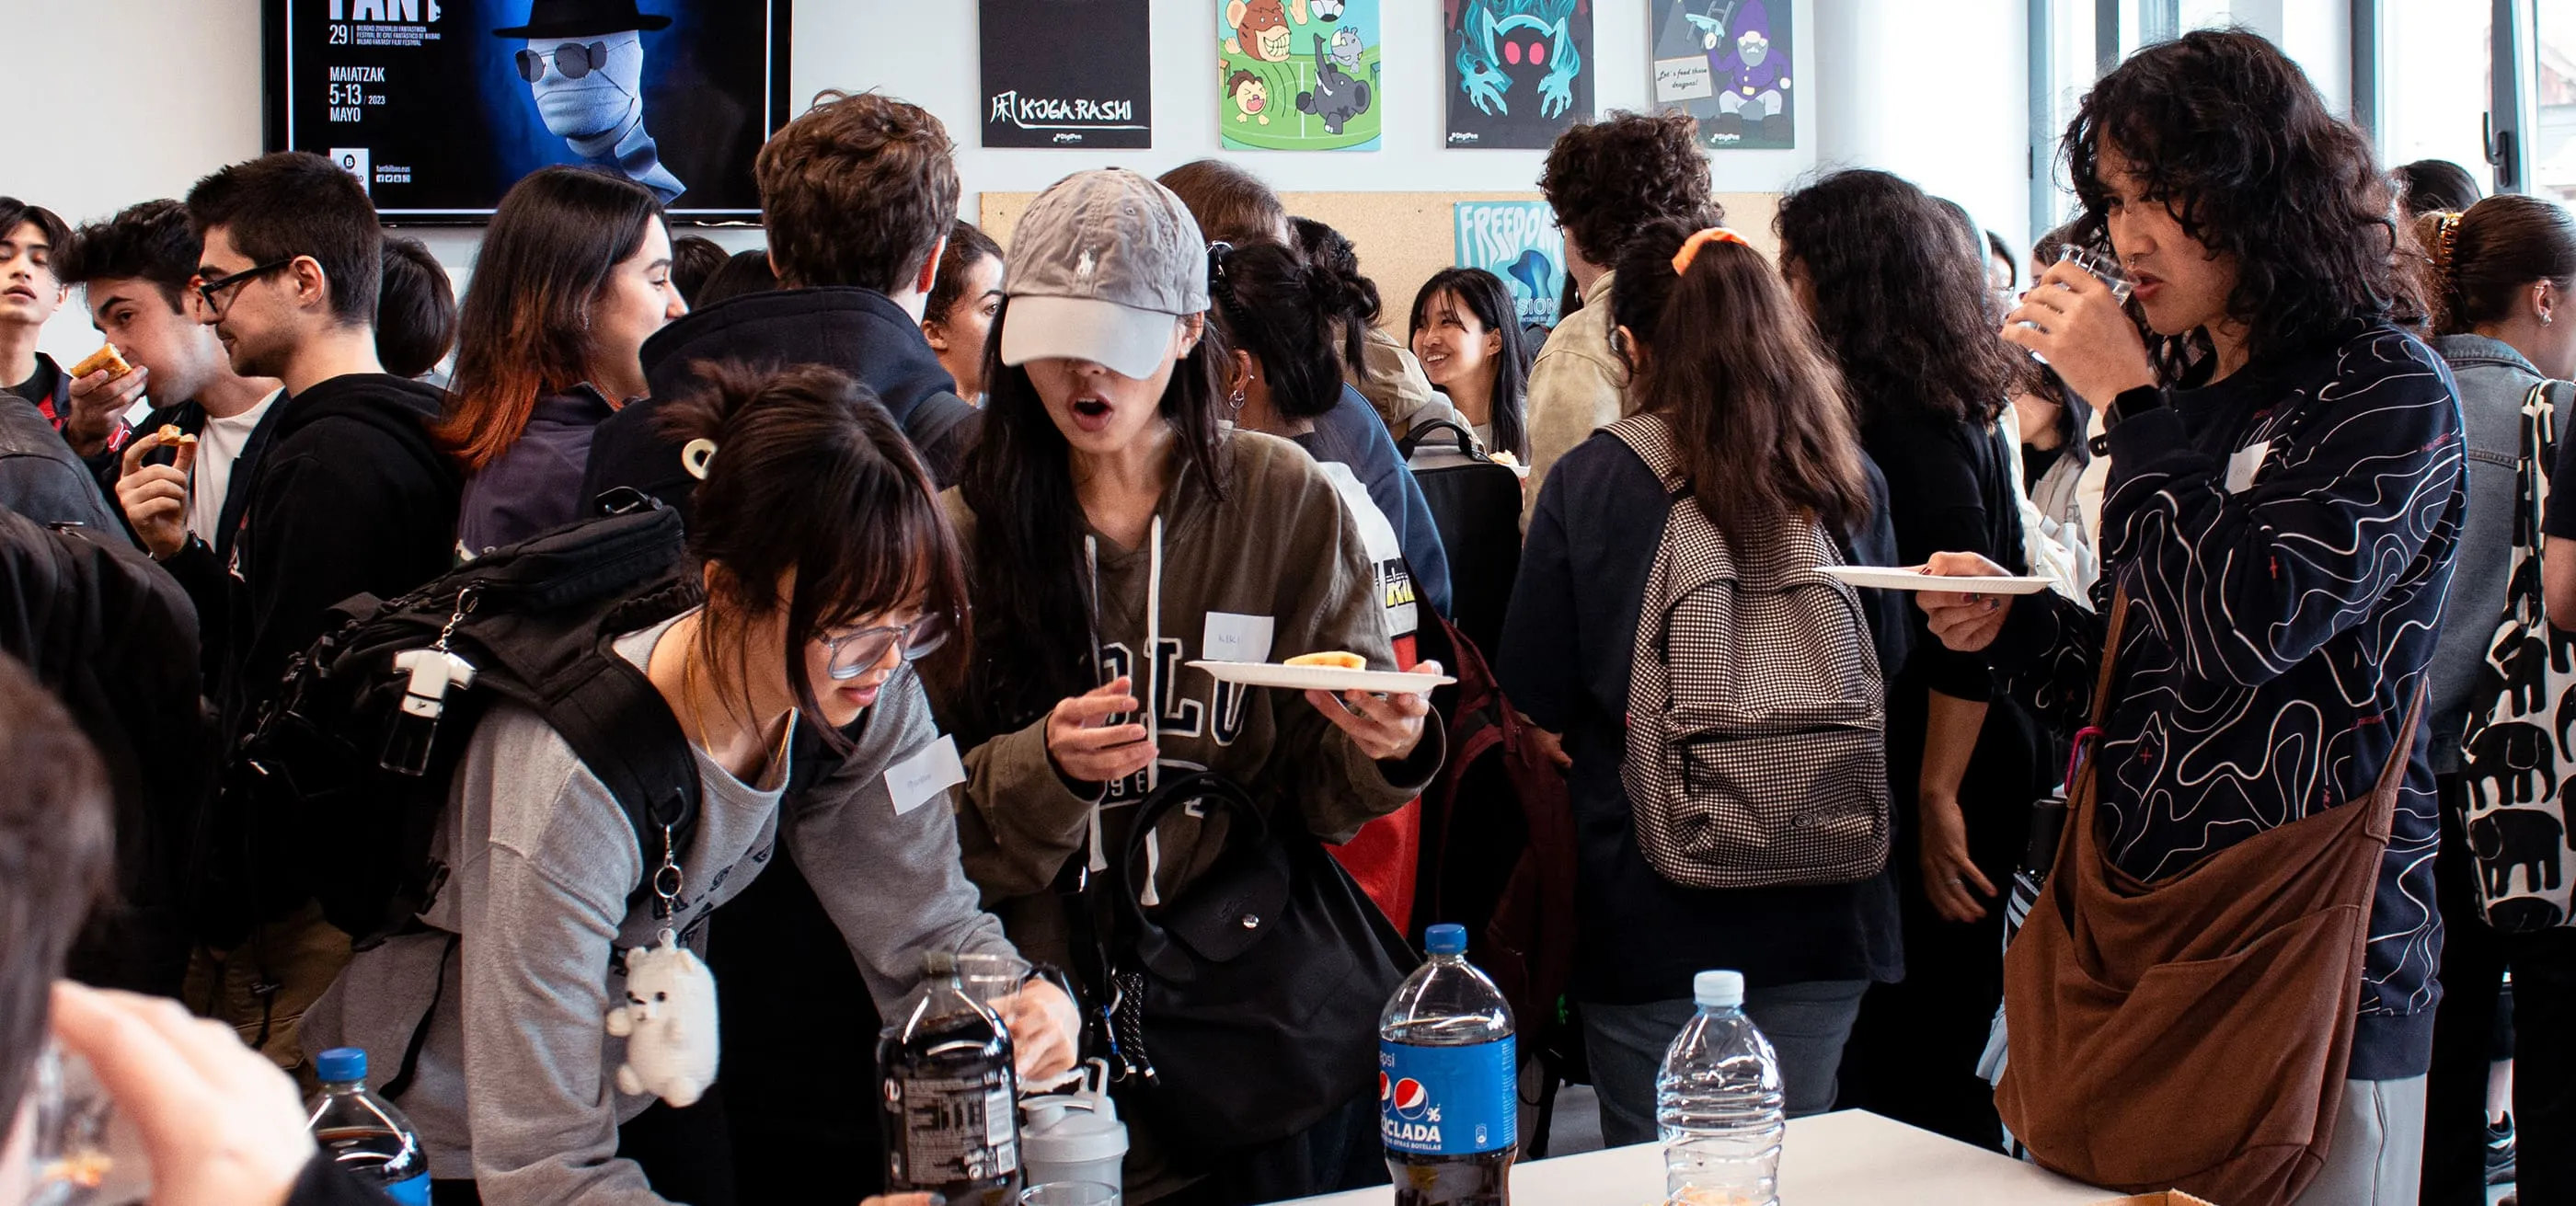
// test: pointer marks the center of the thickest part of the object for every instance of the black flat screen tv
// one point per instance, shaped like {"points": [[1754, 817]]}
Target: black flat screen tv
{"points": [[439, 106]]}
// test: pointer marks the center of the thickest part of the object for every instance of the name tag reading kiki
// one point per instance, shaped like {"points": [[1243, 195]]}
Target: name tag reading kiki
{"points": [[1232, 637], [928, 773]]}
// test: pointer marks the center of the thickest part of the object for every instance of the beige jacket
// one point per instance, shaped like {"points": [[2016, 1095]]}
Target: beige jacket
{"points": [[1576, 385], [1393, 382]]}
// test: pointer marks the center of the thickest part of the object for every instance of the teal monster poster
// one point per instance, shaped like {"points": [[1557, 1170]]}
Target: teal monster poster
{"points": [[1726, 62], [1298, 75], [1517, 241], [1520, 71]]}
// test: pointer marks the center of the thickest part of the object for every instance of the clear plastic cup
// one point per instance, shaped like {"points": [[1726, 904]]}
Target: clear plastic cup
{"points": [[1070, 1193]]}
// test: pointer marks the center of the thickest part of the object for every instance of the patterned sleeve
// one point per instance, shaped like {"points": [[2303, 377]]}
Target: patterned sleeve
{"points": [[2050, 652], [2349, 487]]}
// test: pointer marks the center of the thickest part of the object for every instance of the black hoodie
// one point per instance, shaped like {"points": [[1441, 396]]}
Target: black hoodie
{"points": [[858, 331], [350, 497]]}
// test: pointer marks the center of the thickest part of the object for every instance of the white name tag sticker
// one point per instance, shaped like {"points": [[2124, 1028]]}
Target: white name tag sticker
{"points": [[2242, 467], [1237, 638], [916, 780], [135, 415]]}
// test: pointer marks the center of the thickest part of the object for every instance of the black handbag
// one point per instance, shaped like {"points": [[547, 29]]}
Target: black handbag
{"points": [[1245, 1008]]}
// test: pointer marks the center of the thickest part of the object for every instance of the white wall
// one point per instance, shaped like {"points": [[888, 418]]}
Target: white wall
{"points": [[1938, 94], [144, 96]]}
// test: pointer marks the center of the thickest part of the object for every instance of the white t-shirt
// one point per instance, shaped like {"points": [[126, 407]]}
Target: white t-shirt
{"points": [[218, 446]]}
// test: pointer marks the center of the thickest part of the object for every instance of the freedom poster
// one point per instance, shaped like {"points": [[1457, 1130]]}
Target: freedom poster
{"points": [[1517, 241]]}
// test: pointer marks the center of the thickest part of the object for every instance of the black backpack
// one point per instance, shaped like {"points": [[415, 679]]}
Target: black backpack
{"points": [[338, 789], [1476, 504]]}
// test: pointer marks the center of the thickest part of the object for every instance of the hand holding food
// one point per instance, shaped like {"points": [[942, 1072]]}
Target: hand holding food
{"points": [[104, 386], [155, 497]]}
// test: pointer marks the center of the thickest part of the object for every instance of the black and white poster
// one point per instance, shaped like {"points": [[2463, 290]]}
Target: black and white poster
{"points": [[439, 106], [1520, 71], [1068, 73]]}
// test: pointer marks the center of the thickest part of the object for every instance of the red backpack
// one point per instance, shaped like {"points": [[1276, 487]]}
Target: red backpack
{"points": [[1497, 840]]}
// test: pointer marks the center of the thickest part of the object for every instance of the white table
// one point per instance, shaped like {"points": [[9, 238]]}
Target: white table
{"points": [[1852, 1158]]}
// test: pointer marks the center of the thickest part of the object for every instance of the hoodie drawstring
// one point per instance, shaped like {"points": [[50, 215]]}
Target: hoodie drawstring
{"points": [[1148, 699]]}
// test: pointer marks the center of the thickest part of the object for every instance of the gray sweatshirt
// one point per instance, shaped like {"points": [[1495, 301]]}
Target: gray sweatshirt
{"points": [[542, 865]]}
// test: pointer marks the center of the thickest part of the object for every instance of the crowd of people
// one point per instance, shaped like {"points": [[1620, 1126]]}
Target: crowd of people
{"points": [[960, 515]]}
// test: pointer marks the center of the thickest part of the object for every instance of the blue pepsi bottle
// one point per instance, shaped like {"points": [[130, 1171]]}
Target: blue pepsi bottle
{"points": [[1447, 1082], [364, 1133]]}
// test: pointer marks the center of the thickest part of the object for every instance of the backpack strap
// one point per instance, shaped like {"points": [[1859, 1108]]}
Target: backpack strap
{"points": [[616, 721], [1651, 438]]}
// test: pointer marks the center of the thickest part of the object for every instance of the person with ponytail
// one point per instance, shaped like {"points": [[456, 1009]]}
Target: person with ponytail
{"points": [[1281, 317], [1763, 431], [574, 275], [1386, 372], [832, 590], [2496, 292], [1119, 531]]}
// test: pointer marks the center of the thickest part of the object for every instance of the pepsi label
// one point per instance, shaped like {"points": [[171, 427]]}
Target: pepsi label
{"points": [[1448, 1101]]}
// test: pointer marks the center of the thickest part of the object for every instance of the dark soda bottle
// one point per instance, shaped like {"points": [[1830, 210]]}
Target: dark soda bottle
{"points": [[949, 1096], [1448, 1092]]}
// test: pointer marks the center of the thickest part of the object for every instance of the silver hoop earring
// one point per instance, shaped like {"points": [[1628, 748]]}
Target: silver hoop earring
{"points": [[1234, 401]]}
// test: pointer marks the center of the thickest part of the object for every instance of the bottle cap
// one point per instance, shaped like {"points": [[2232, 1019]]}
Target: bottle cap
{"points": [[341, 1065], [1445, 939], [1722, 989], [939, 963]]}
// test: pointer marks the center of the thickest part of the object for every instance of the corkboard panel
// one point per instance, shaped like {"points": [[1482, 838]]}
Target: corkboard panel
{"points": [[1403, 238]]}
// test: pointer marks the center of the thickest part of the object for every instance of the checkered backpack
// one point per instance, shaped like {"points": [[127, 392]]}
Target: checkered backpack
{"points": [[1757, 719]]}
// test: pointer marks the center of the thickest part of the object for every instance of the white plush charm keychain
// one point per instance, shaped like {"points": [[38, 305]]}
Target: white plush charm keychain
{"points": [[669, 1023]]}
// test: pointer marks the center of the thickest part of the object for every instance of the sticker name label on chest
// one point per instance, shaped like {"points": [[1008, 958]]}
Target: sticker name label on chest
{"points": [[2246, 462], [1232, 637], [930, 772]]}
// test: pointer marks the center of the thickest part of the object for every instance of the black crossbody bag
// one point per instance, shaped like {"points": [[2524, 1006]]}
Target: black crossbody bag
{"points": [[1243, 1009]]}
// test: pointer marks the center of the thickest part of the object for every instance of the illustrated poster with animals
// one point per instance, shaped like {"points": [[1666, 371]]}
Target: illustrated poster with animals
{"points": [[1727, 63], [1517, 241], [1520, 71], [1067, 73], [1298, 75]]}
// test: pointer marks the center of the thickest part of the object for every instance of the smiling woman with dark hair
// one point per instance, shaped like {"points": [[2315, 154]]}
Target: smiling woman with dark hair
{"points": [[2280, 532]]}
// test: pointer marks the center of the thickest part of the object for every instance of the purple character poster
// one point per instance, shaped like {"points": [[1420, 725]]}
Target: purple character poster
{"points": [[1727, 63]]}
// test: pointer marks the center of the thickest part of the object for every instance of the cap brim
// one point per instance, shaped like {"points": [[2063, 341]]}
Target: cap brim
{"points": [[1125, 340]]}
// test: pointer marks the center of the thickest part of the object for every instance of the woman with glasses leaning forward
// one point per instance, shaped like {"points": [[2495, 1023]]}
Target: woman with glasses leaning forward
{"points": [[831, 579]]}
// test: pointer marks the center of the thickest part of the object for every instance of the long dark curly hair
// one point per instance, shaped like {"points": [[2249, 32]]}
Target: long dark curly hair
{"points": [[1898, 294], [2226, 131]]}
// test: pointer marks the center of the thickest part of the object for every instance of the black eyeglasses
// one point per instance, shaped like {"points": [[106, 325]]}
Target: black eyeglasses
{"points": [[853, 652], [573, 59], [210, 289]]}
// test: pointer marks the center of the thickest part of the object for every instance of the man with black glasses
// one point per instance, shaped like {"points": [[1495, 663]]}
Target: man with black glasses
{"points": [[351, 496]]}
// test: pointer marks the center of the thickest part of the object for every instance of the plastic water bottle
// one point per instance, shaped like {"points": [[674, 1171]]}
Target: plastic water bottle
{"points": [[364, 1132], [1718, 1103], [1448, 1082]]}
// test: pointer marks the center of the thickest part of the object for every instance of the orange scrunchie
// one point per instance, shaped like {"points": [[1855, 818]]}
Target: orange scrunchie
{"points": [[1690, 247]]}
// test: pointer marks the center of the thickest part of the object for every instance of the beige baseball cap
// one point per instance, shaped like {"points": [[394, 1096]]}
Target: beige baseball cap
{"points": [[1101, 264]]}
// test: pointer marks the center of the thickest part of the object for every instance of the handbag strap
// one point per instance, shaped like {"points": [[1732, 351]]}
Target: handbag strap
{"points": [[1204, 787], [2110, 658]]}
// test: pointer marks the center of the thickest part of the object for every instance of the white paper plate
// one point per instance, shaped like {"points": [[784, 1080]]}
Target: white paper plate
{"points": [[1906, 579], [1322, 678]]}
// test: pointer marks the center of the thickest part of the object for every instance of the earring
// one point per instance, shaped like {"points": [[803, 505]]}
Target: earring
{"points": [[1234, 401]]}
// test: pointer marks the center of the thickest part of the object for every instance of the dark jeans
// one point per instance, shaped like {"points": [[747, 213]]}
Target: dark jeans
{"points": [[2474, 960], [685, 1154]]}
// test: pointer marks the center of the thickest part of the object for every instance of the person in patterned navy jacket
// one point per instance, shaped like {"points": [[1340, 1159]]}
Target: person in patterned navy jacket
{"points": [[2284, 521]]}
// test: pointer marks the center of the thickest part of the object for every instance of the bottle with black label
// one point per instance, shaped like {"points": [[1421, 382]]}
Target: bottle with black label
{"points": [[949, 1096]]}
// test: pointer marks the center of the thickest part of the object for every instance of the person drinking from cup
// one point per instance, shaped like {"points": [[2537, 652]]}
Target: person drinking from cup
{"points": [[2276, 543]]}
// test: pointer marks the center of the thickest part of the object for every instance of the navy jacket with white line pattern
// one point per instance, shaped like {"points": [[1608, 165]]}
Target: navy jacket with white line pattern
{"points": [[2278, 631]]}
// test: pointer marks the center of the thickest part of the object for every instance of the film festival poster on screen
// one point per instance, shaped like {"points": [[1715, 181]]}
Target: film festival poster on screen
{"points": [[439, 106]]}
